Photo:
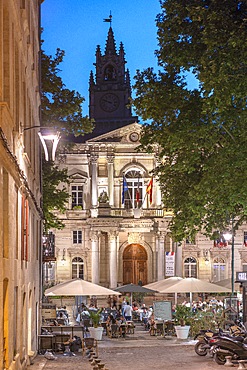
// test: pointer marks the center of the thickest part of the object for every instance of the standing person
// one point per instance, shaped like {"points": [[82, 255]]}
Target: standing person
{"points": [[128, 312], [124, 303]]}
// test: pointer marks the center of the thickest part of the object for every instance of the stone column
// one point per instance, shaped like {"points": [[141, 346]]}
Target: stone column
{"points": [[94, 179], [178, 259], [113, 258], [110, 159], [158, 193], [95, 256], [161, 256]]}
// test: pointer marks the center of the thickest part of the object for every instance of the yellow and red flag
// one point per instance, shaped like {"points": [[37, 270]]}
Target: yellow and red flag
{"points": [[150, 190]]}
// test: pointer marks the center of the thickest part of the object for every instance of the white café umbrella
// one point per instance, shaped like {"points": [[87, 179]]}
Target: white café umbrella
{"points": [[165, 283], [79, 287], [193, 285], [227, 283]]}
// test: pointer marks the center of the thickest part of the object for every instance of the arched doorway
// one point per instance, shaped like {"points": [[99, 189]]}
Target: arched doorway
{"points": [[134, 264]]}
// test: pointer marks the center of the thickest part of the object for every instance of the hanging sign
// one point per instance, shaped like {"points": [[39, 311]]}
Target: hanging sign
{"points": [[170, 264]]}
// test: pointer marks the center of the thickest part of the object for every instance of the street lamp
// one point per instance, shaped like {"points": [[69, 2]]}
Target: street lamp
{"points": [[228, 236], [47, 134]]}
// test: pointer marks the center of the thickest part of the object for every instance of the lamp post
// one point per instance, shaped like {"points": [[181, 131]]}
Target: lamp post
{"points": [[47, 134], [228, 236]]}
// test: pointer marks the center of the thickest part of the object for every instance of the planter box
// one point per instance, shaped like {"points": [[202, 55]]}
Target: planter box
{"points": [[96, 333], [182, 331]]}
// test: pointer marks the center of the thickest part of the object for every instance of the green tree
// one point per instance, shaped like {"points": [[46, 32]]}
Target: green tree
{"points": [[55, 194], [200, 133], [61, 109]]}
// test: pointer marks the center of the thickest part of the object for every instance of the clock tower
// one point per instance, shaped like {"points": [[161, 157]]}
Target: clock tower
{"points": [[110, 89]]}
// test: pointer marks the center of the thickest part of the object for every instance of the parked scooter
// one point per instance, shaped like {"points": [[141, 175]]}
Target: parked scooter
{"points": [[236, 347], [205, 345], [202, 347], [226, 345]]}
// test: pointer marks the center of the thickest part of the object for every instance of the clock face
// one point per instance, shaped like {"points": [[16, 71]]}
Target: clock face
{"points": [[109, 102], [134, 136]]}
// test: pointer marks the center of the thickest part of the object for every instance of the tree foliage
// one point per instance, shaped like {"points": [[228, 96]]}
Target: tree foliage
{"points": [[201, 133], [61, 109], [55, 195]]}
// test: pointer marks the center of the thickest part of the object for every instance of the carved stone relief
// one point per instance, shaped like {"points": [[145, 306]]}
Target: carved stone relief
{"points": [[135, 238]]}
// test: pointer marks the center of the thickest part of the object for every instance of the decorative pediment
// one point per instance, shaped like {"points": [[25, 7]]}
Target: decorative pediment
{"points": [[126, 134], [76, 175]]}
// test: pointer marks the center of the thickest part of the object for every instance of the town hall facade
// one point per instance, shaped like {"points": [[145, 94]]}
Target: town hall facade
{"points": [[113, 234]]}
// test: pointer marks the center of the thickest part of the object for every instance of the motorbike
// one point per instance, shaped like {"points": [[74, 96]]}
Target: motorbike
{"points": [[202, 347], [206, 345], [223, 346]]}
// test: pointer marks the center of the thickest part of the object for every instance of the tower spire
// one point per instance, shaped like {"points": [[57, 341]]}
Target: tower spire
{"points": [[110, 47]]}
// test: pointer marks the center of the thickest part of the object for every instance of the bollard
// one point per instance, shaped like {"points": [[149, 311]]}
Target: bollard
{"points": [[229, 361], [241, 364], [92, 361]]}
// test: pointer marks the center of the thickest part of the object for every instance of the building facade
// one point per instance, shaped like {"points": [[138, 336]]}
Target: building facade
{"points": [[115, 233], [20, 182]]}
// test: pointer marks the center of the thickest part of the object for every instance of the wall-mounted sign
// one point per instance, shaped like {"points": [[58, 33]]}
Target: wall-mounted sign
{"points": [[170, 264], [241, 276]]}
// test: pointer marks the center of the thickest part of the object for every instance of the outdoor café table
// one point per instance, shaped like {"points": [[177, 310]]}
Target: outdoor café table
{"points": [[159, 327], [67, 329]]}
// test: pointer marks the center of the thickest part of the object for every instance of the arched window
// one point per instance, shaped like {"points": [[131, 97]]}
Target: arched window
{"points": [[77, 268], [133, 197], [219, 269], [110, 73], [190, 267]]}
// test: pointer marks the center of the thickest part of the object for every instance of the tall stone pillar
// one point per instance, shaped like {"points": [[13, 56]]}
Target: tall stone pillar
{"points": [[113, 259], [94, 179], [161, 256], [179, 259], [110, 159], [158, 194], [95, 256]]}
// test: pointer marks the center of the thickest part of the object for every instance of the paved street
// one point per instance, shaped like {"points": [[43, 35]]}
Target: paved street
{"points": [[161, 356], [138, 352]]}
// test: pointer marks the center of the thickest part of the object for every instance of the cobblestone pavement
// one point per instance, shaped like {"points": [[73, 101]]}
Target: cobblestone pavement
{"points": [[164, 356], [138, 352]]}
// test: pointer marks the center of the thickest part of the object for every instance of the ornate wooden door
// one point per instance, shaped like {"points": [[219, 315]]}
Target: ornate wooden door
{"points": [[134, 264]]}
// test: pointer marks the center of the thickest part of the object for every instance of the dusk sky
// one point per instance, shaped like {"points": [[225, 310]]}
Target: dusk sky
{"points": [[77, 27]]}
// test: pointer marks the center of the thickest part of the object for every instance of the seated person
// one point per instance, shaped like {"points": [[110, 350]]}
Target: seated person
{"points": [[145, 317], [110, 320], [152, 326], [122, 325], [62, 319], [74, 344]]}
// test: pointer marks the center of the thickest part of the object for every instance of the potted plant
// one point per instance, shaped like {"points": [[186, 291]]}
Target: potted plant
{"points": [[182, 317], [77, 208], [96, 330]]}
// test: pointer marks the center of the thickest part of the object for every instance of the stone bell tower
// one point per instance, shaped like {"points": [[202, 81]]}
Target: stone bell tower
{"points": [[110, 89]]}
